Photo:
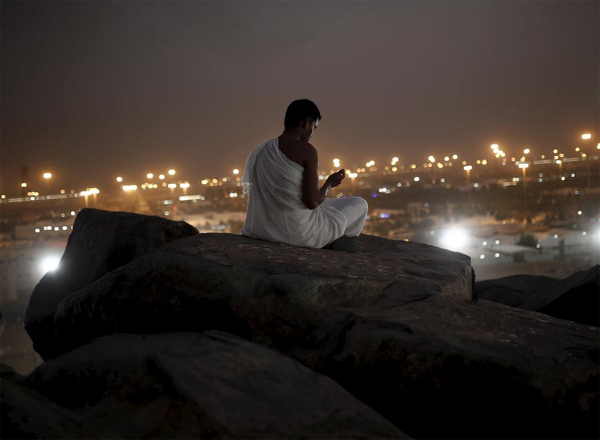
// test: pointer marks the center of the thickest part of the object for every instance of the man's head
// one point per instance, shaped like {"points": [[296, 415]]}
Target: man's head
{"points": [[302, 116]]}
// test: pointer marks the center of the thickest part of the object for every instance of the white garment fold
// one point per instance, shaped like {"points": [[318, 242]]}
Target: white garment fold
{"points": [[276, 211]]}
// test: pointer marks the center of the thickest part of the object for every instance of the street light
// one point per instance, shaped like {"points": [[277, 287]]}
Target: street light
{"points": [[468, 169], [524, 167], [47, 176], [587, 136]]}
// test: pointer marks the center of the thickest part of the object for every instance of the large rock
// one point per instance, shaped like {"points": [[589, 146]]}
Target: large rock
{"points": [[513, 290], [101, 241], [190, 385], [394, 323], [576, 298], [26, 414]]}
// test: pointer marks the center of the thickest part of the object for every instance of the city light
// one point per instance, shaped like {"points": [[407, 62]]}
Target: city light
{"points": [[586, 136], [23, 185], [454, 156], [172, 185], [526, 151], [171, 172], [336, 163], [416, 179], [431, 159], [47, 175], [184, 185], [236, 171], [454, 239], [523, 165], [161, 176], [119, 179], [128, 188], [49, 264], [494, 146], [89, 192], [468, 167], [150, 175]]}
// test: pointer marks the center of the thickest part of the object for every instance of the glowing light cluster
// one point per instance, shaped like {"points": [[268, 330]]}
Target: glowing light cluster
{"points": [[454, 239], [89, 192], [49, 264]]}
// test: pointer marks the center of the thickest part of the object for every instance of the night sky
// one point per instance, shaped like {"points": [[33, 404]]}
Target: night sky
{"points": [[92, 90]]}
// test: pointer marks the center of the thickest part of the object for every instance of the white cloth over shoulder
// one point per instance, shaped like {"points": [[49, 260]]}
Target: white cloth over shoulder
{"points": [[276, 211]]}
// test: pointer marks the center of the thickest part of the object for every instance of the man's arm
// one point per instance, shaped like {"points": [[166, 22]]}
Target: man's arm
{"points": [[312, 195]]}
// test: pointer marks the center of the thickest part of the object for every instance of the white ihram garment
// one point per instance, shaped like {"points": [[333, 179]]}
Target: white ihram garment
{"points": [[276, 211]]}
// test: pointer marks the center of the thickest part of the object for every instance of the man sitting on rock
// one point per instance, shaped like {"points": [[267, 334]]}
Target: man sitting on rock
{"points": [[285, 203]]}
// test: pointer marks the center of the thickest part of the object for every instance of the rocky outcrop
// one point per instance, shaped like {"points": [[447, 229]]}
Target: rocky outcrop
{"points": [[513, 290], [187, 385], [101, 241], [576, 298], [395, 324]]}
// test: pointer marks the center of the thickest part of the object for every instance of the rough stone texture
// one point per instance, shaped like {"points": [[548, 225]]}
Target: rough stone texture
{"points": [[101, 241], [26, 414], [191, 385], [513, 290], [393, 324], [576, 298]]}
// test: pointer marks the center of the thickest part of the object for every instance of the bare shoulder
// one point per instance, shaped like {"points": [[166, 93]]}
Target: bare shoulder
{"points": [[309, 152]]}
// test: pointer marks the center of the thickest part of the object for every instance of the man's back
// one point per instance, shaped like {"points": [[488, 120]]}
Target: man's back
{"points": [[294, 150]]}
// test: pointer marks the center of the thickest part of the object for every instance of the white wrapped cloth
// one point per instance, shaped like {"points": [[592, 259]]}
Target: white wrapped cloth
{"points": [[276, 211]]}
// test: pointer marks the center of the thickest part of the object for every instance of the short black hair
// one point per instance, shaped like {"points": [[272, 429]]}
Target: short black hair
{"points": [[299, 110]]}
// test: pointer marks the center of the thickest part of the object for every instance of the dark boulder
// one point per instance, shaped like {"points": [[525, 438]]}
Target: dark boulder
{"points": [[513, 290], [576, 298], [191, 385], [26, 414], [101, 241], [394, 324]]}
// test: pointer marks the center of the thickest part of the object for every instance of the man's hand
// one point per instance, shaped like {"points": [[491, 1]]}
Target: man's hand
{"points": [[336, 178]]}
